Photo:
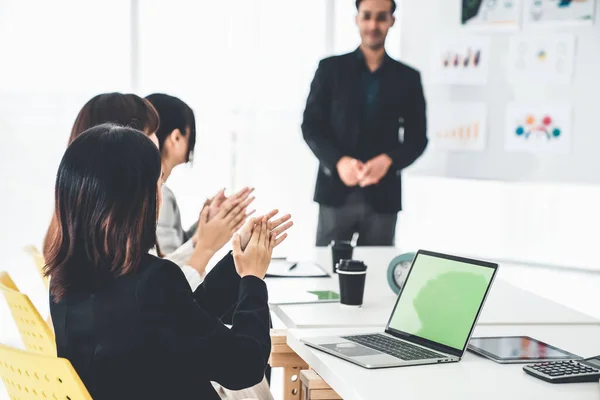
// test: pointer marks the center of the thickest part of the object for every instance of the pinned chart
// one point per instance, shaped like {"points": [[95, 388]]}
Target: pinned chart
{"points": [[461, 133], [541, 59], [538, 128], [491, 14], [558, 12], [459, 126], [461, 60]]}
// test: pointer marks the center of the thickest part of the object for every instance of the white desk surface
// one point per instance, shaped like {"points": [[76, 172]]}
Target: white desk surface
{"points": [[473, 377], [506, 303]]}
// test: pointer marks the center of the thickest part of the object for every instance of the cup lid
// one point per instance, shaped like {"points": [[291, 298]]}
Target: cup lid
{"points": [[351, 265]]}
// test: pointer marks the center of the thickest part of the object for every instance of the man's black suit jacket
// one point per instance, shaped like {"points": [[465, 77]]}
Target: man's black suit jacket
{"points": [[332, 125]]}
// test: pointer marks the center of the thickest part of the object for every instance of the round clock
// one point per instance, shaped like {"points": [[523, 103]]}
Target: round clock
{"points": [[398, 270]]}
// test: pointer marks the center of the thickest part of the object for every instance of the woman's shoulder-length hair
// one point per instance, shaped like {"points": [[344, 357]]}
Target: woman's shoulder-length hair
{"points": [[106, 208]]}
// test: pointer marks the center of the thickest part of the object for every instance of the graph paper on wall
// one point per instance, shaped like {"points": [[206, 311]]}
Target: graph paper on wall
{"points": [[458, 126]]}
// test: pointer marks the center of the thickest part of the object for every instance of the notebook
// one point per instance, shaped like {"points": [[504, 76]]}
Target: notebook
{"points": [[282, 268]]}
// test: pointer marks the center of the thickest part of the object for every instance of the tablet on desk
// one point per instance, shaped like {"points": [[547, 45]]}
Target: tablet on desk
{"points": [[517, 349]]}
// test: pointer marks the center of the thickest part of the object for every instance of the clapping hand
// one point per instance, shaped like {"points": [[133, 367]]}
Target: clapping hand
{"points": [[276, 228], [212, 234], [254, 260], [219, 199]]}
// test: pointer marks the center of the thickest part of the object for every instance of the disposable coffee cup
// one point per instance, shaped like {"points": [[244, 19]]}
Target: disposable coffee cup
{"points": [[352, 276], [340, 250]]}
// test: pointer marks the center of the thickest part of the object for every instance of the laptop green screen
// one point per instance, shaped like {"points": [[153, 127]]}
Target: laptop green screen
{"points": [[440, 300]]}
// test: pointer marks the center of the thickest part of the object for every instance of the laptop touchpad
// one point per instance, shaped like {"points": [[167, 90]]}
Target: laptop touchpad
{"points": [[351, 349]]}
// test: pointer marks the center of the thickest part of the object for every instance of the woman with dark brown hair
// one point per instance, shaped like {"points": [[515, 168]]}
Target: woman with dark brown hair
{"points": [[122, 109], [127, 320], [133, 111]]}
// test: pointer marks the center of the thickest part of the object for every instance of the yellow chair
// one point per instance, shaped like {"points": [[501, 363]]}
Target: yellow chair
{"points": [[7, 281], [30, 376], [35, 332], [40, 262]]}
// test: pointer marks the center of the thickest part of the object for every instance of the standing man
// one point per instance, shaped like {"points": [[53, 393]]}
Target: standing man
{"points": [[365, 122]]}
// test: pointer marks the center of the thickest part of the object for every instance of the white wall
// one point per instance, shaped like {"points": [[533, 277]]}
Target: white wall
{"points": [[546, 223], [429, 20], [536, 223]]}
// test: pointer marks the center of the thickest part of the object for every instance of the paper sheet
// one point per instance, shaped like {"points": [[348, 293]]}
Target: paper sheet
{"points": [[285, 268], [538, 128], [461, 60], [558, 12], [541, 59], [491, 14], [458, 126]]}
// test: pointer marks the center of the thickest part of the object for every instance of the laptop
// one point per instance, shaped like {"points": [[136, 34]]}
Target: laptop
{"points": [[432, 320]]}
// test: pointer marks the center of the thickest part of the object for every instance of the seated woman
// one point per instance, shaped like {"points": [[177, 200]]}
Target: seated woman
{"points": [[133, 111], [176, 140], [127, 320], [176, 137]]}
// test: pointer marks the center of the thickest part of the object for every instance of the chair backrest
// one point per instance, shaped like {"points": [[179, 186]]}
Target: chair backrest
{"points": [[35, 332], [40, 262], [7, 281], [29, 376]]}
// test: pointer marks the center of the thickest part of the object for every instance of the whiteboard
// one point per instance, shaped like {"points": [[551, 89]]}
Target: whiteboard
{"points": [[424, 21]]}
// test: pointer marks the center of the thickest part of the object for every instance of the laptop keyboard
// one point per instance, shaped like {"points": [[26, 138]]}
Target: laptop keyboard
{"points": [[393, 347]]}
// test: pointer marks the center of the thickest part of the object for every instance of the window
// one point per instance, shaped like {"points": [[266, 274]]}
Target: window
{"points": [[55, 56]]}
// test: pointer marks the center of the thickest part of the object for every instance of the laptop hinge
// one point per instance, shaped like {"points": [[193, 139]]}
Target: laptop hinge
{"points": [[427, 344]]}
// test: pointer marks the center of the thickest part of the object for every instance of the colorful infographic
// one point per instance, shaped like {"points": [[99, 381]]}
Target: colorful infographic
{"points": [[459, 126], [541, 59], [559, 12], [538, 128], [491, 14], [461, 60]]}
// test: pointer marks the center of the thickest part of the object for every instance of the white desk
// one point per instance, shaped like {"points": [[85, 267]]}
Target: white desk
{"points": [[472, 378], [376, 258], [505, 305]]}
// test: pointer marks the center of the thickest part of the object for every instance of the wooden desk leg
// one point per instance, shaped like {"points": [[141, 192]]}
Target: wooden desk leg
{"points": [[282, 356], [315, 388]]}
